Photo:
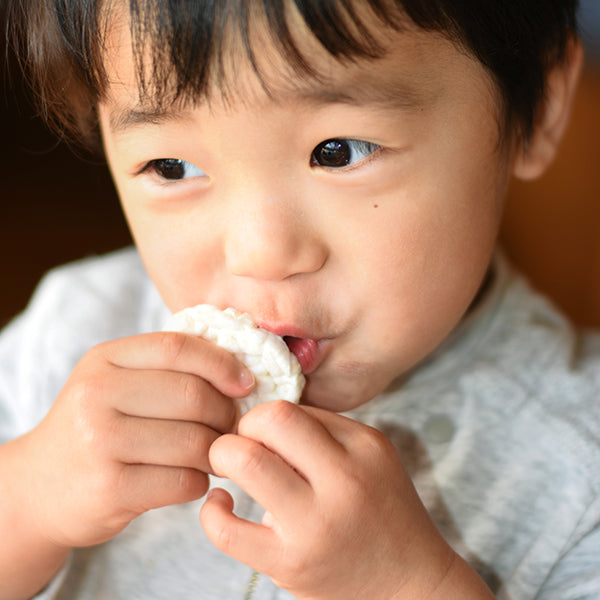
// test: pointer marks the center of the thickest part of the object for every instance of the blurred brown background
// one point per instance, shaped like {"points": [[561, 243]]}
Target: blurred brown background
{"points": [[552, 226], [56, 207]]}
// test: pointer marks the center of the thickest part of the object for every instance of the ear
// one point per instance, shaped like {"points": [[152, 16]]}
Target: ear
{"points": [[534, 156]]}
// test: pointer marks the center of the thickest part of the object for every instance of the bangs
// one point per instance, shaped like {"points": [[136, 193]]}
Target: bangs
{"points": [[187, 51]]}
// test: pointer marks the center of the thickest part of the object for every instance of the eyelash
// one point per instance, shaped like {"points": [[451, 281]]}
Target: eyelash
{"points": [[337, 151], [152, 167]]}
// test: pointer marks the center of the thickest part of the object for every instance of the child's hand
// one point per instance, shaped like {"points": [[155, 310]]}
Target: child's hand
{"points": [[130, 431], [343, 519]]}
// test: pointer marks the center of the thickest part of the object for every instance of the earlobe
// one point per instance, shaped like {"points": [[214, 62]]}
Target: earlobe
{"points": [[537, 154]]}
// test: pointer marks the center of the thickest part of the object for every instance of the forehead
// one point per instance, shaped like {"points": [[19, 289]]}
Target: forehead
{"points": [[411, 70]]}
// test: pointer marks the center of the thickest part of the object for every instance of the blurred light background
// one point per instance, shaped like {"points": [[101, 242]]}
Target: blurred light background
{"points": [[589, 17]]}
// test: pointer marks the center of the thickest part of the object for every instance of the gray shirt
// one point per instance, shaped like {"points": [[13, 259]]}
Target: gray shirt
{"points": [[499, 429]]}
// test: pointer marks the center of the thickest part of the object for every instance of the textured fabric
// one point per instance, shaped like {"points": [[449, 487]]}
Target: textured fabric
{"points": [[500, 430]]}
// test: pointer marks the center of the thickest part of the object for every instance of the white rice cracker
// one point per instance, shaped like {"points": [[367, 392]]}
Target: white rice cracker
{"points": [[277, 371]]}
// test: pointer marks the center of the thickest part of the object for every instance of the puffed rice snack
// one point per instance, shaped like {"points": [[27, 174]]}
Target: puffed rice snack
{"points": [[276, 370]]}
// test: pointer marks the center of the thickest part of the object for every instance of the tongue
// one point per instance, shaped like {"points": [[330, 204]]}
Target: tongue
{"points": [[304, 350]]}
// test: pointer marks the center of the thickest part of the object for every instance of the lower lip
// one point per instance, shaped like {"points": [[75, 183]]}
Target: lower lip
{"points": [[308, 352]]}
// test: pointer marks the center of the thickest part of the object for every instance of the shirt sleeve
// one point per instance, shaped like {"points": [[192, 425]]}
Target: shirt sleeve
{"points": [[74, 307], [10, 415], [35, 359]]}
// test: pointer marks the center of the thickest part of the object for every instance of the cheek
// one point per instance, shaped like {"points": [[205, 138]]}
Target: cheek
{"points": [[183, 273], [426, 263], [177, 259]]}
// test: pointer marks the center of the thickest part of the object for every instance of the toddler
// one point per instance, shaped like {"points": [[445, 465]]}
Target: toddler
{"points": [[336, 169]]}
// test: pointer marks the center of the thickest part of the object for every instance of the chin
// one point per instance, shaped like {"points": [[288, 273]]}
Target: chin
{"points": [[346, 396]]}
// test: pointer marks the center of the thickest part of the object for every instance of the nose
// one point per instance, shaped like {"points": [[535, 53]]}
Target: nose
{"points": [[269, 239]]}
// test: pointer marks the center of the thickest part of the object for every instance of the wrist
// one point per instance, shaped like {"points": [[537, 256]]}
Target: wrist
{"points": [[457, 580], [28, 558]]}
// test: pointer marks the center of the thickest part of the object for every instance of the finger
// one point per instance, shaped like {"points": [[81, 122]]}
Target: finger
{"points": [[184, 353], [296, 435], [266, 477], [173, 396], [254, 545], [162, 442], [357, 439], [149, 486], [343, 429]]}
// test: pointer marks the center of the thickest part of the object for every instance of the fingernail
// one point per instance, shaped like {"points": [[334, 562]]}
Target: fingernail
{"points": [[247, 379]]}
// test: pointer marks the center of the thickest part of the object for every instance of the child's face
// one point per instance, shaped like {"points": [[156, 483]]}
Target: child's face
{"points": [[369, 263]]}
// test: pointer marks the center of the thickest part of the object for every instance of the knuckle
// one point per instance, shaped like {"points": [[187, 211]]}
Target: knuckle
{"points": [[102, 355], [373, 444], [372, 450], [354, 494], [109, 482], [191, 393], [252, 460], [83, 395], [171, 345], [88, 382], [81, 390], [194, 441], [98, 352], [280, 412], [294, 565], [222, 536], [275, 414]]}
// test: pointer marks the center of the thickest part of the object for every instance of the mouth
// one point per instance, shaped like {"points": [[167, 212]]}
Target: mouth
{"points": [[310, 352], [307, 351]]}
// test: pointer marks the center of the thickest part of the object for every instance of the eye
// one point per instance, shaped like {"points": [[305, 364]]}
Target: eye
{"points": [[338, 153], [174, 169]]}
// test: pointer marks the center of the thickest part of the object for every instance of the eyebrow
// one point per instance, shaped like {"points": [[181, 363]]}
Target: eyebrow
{"points": [[121, 119], [388, 94], [392, 94]]}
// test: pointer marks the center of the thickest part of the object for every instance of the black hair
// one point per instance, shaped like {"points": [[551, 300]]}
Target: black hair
{"points": [[61, 43]]}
